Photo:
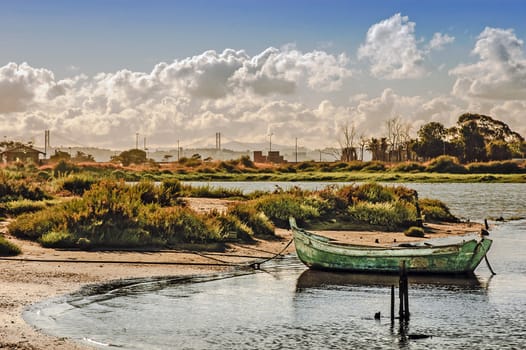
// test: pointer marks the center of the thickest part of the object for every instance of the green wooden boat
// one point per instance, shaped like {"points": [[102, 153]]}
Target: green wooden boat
{"points": [[318, 252]]}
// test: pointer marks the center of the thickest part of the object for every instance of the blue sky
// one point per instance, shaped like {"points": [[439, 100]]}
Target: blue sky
{"points": [[329, 64], [137, 34]]}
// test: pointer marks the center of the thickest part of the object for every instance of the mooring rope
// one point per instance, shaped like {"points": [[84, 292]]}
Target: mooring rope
{"points": [[256, 265], [126, 262], [486, 233], [489, 266], [217, 262]]}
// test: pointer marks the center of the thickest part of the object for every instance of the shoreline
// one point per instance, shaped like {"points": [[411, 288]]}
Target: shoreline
{"points": [[24, 283]]}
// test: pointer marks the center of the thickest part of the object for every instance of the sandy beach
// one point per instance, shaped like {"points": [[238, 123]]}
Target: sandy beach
{"points": [[41, 273]]}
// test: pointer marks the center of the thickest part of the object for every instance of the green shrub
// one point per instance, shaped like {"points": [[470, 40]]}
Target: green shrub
{"points": [[7, 248], [43, 176], [145, 190], [356, 165], [435, 210], [503, 167], [307, 166], [279, 207], [169, 192], [175, 225], [57, 239], [246, 162], [335, 198], [288, 169], [258, 222], [409, 167], [64, 168], [84, 243], [15, 208], [77, 184], [118, 215], [374, 193], [391, 215], [228, 167], [374, 166], [12, 189], [232, 229], [446, 164], [414, 231], [207, 191], [34, 225]]}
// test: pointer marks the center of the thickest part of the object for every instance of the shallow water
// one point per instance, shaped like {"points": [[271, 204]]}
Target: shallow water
{"points": [[285, 306]]}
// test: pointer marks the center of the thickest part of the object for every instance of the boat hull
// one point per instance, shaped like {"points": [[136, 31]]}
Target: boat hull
{"points": [[318, 252]]}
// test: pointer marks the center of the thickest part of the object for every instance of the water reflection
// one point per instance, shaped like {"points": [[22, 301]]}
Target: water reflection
{"points": [[317, 279]]}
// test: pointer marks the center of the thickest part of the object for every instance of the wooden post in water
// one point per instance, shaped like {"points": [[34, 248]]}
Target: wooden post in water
{"points": [[406, 297], [403, 294], [392, 304]]}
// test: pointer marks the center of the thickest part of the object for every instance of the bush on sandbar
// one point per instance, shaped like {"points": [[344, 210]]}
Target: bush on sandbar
{"points": [[7, 248], [115, 214], [435, 210], [279, 207], [391, 215], [256, 220], [414, 231]]}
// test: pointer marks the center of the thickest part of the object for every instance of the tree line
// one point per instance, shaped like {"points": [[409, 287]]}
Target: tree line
{"points": [[474, 138]]}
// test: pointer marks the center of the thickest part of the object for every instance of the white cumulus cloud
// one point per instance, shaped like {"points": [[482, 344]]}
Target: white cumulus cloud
{"points": [[440, 40], [499, 73], [391, 48], [192, 97]]}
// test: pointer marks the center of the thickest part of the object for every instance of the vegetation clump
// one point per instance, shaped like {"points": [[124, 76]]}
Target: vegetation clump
{"points": [[15, 208], [414, 231], [446, 164], [435, 210], [13, 189], [116, 214], [77, 184], [366, 205], [496, 167], [7, 248], [256, 220]]}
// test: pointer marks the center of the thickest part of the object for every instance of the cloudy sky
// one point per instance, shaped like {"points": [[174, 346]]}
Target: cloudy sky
{"points": [[97, 72]]}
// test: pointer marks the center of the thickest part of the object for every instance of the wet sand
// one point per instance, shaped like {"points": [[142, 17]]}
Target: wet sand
{"points": [[41, 273]]}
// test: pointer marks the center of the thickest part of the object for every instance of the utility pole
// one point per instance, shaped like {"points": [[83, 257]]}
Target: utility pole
{"points": [[178, 151], [296, 150], [46, 142], [218, 141]]}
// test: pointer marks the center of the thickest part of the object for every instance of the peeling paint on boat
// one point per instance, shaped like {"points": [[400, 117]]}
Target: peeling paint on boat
{"points": [[320, 252]]}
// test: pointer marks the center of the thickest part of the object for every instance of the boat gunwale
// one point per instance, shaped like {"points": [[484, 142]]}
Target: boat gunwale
{"points": [[331, 242]]}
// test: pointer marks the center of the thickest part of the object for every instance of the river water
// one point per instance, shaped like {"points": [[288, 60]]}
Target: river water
{"points": [[285, 306]]}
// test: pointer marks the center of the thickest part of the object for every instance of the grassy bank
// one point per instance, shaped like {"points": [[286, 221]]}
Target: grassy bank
{"points": [[358, 176]]}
